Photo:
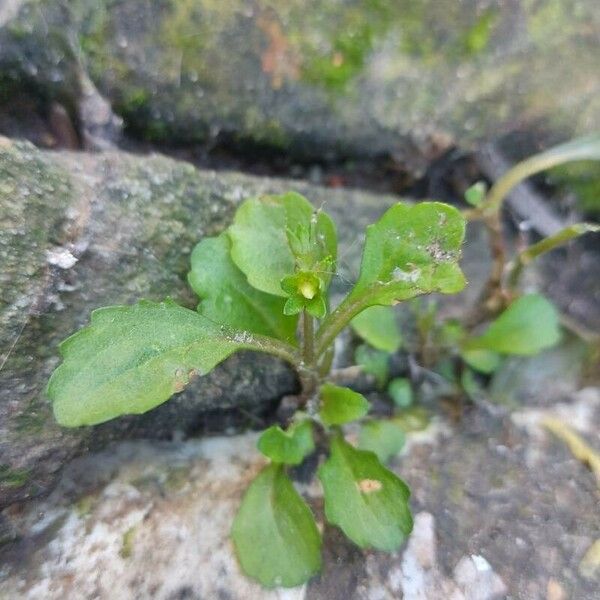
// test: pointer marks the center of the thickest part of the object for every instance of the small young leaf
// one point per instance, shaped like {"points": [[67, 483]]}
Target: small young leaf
{"points": [[375, 362], [475, 195], [289, 447], [272, 237], [484, 361], [530, 324], [411, 250], [384, 437], [133, 358], [364, 499], [229, 299], [341, 405], [377, 326], [401, 392], [274, 533]]}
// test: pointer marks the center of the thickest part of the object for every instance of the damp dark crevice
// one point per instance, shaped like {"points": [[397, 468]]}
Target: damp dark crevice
{"points": [[52, 124]]}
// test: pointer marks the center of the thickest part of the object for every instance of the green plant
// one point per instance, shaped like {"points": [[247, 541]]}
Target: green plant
{"points": [[503, 322], [502, 285], [516, 324], [264, 286]]}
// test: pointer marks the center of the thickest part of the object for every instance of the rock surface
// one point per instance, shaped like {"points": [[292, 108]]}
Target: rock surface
{"points": [[317, 79], [152, 520]]}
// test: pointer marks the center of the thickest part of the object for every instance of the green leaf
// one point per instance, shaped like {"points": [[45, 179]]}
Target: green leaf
{"points": [[411, 250], [364, 499], [475, 195], [384, 437], [228, 298], [274, 533], [401, 392], [484, 361], [375, 362], [290, 447], [132, 358], [274, 236], [377, 326], [341, 405], [530, 324]]}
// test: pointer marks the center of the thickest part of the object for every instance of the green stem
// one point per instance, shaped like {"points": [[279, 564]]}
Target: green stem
{"points": [[493, 287], [545, 245], [308, 340], [262, 343], [309, 375], [337, 320], [578, 149], [326, 362]]}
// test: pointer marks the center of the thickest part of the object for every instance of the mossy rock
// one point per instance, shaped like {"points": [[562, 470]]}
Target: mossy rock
{"points": [[317, 78]]}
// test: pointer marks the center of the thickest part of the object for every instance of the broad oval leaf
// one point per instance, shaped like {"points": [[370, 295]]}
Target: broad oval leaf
{"points": [[411, 250], [290, 447], [529, 325], [229, 299], [274, 533], [364, 499], [274, 236], [384, 437], [341, 405], [132, 358], [378, 327]]}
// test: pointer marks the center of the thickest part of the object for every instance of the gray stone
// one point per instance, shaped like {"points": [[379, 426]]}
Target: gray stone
{"points": [[315, 78], [506, 490]]}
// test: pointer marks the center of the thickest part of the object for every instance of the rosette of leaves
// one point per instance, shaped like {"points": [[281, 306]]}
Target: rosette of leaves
{"points": [[257, 282]]}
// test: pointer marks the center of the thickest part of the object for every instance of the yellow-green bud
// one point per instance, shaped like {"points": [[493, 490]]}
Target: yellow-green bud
{"points": [[308, 289]]}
